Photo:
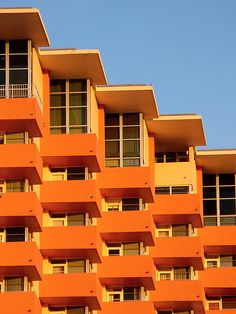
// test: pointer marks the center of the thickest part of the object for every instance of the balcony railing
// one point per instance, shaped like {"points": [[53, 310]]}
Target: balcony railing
{"points": [[20, 91]]}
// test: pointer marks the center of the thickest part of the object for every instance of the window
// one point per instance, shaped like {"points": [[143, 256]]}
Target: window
{"points": [[14, 138], [14, 284], [175, 312], [123, 144], [15, 234], [13, 185], [175, 230], [174, 273], [124, 249], [124, 294], [183, 189], [219, 199], [221, 261], [171, 157], [68, 310], [73, 173], [69, 106], [63, 266], [75, 219], [15, 68], [124, 204]]}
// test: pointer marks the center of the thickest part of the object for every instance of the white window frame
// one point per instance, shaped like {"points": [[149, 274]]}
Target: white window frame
{"points": [[65, 219], [217, 301], [170, 270], [117, 203], [120, 291], [169, 229], [215, 259], [65, 265]]}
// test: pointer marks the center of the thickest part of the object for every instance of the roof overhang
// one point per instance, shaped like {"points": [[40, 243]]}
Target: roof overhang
{"points": [[128, 98], [73, 64], [217, 161], [177, 132], [23, 23]]}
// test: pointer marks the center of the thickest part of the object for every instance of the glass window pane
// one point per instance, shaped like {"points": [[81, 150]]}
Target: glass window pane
{"points": [[112, 162], [209, 179], [112, 149], [131, 148], [76, 219], [180, 230], [226, 179], [77, 85], [2, 81], [15, 234], [15, 138], [209, 192], [78, 116], [58, 100], [2, 46], [131, 249], [18, 76], [18, 61], [2, 62], [180, 189], [228, 221], [227, 207], [76, 310], [227, 191], [209, 207], [131, 132], [77, 130], [57, 117], [18, 46], [112, 119], [162, 190], [61, 130], [130, 204], [15, 185], [57, 86], [170, 157], [210, 221], [76, 266], [112, 133], [14, 283], [131, 162], [78, 100], [130, 119]]}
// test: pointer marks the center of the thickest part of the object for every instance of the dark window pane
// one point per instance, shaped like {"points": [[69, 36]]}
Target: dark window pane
{"points": [[76, 173], [209, 192], [77, 85], [18, 61], [131, 148], [61, 130], [78, 116], [76, 219], [112, 119], [210, 221], [209, 207], [162, 190], [58, 117], [159, 157], [228, 221], [75, 310], [76, 266], [131, 132], [170, 157], [227, 191], [15, 234], [14, 283], [130, 119], [130, 204], [2, 79], [2, 46], [57, 86], [226, 179], [78, 100], [180, 189], [18, 46], [2, 62], [131, 249], [209, 179], [58, 100], [77, 130], [18, 76], [112, 149], [227, 207], [112, 133], [180, 230]]}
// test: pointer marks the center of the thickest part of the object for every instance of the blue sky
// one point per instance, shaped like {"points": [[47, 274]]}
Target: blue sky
{"points": [[185, 48]]}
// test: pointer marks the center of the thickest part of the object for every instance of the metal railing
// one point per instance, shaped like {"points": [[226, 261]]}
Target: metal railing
{"points": [[20, 91]]}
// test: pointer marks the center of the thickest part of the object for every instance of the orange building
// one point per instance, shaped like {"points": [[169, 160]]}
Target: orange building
{"points": [[106, 205]]}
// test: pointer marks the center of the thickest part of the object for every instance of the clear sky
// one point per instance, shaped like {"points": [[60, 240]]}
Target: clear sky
{"points": [[185, 48]]}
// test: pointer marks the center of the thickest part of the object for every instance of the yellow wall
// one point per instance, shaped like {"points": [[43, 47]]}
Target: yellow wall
{"points": [[94, 112], [146, 145], [37, 75], [177, 173]]}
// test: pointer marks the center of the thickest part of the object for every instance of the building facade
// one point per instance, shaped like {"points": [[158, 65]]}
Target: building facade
{"points": [[106, 206]]}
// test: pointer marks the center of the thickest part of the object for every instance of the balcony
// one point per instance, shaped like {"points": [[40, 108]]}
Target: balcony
{"points": [[21, 209], [20, 109], [178, 209], [137, 270], [137, 307], [71, 289], [218, 239], [21, 161], [179, 294], [74, 195], [219, 281], [115, 226], [127, 182], [71, 150], [20, 302], [71, 242], [178, 251], [21, 258]]}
